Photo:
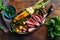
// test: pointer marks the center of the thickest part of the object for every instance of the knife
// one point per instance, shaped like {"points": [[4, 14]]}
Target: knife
{"points": [[47, 13], [50, 10]]}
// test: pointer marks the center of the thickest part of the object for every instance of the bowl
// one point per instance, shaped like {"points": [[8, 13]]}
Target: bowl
{"points": [[6, 12]]}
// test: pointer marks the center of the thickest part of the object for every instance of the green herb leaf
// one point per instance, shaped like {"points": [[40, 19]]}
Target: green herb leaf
{"points": [[37, 10], [1, 27], [53, 26]]}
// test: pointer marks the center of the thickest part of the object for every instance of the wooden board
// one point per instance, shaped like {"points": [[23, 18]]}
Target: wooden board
{"points": [[41, 33]]}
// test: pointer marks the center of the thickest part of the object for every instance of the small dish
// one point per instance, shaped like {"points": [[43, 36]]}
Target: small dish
{"points": [[10, 12]]}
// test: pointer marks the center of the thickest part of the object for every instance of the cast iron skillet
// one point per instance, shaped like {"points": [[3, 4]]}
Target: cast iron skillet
{"points": [[48, 13], [23, 32]]}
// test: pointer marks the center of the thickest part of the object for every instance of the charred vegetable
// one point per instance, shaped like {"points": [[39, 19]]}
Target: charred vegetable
{"points": [[21, 16], [30, 10]]}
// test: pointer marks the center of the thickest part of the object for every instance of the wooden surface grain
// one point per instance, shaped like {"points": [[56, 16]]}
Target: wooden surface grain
{"points": [[41, 33]]}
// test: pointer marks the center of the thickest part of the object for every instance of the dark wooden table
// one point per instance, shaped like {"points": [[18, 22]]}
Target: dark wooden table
{"points": [[41, 33]]}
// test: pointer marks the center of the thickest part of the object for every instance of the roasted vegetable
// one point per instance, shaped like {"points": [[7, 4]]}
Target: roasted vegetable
{"points": [[53, 27], [30, 10], [24, 23], [20, 27], [21, 16]]}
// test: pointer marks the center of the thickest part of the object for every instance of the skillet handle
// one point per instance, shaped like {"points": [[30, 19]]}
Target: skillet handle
{"points": [[50, 10]]}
